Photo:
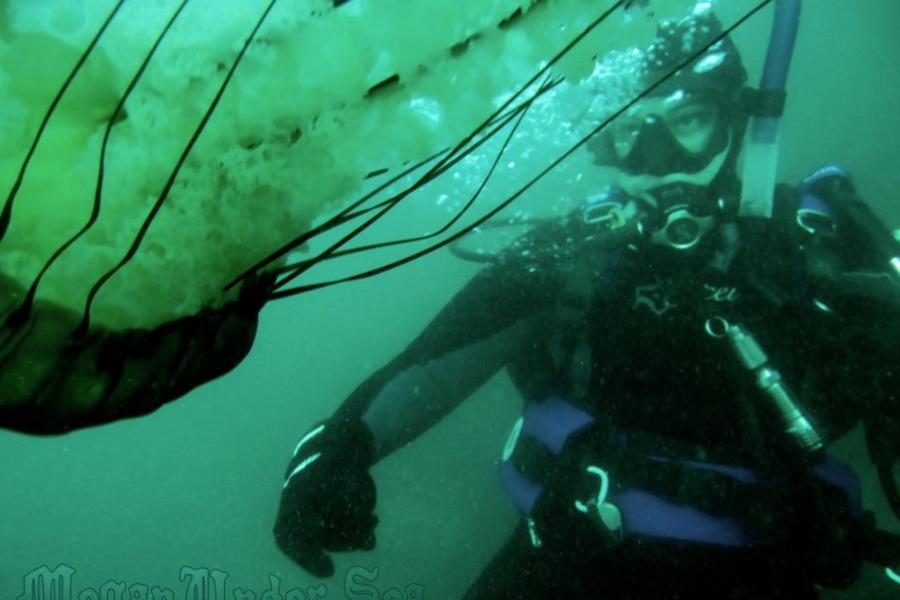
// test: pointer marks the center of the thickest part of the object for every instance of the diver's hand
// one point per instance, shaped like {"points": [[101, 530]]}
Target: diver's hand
{"points": [[328, 498]]}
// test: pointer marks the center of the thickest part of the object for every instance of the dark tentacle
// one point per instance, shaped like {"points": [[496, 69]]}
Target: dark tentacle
{"points": [[82, 329], [295, 270], [19, 315], [462, 147], [519, 112], [6, 215], [343, 217], [346, 215], [283, 293]]}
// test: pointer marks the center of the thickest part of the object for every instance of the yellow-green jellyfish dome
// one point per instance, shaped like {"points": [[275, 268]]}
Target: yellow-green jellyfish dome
{"points": [[322, 97]]}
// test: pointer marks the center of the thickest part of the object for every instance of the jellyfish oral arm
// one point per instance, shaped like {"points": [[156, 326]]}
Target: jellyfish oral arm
{"points": [[52, 383]]}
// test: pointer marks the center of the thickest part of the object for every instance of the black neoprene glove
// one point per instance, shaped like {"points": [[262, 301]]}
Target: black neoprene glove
{"points": [[328, 498]]}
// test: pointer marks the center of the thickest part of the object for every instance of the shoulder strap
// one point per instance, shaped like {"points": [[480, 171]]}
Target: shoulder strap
{"points": [[570, 346]]}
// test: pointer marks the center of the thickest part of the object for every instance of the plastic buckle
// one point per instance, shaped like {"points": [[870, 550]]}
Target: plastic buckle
{"points": [[816, 222], [598, 508], [533, 534], [609, 214]]}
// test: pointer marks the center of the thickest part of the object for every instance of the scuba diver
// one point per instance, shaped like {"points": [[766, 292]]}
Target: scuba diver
{"points": [[685, 361]]}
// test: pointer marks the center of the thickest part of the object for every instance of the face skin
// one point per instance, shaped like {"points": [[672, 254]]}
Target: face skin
{"points": [[691, 119]]}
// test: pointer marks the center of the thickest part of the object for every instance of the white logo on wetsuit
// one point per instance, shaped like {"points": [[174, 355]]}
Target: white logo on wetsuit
{"points": [[721, 294], [654, 297]]}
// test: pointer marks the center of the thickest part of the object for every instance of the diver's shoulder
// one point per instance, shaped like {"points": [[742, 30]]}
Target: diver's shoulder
{"points": [[539, 263], [826, 237], [815, 206], [543, 247]]}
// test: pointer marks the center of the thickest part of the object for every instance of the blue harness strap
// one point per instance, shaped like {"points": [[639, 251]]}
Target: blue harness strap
{"points": [[552, 423], [647, 513]]}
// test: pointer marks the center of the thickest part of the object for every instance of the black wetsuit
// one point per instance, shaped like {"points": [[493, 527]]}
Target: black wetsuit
{"points": [[658, 375]]}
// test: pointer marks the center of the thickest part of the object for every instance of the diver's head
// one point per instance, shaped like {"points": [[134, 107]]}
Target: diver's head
{"points": [[676, 149]]}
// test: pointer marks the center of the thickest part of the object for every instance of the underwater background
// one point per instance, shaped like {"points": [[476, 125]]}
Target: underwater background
{"points": [[196, 484]]}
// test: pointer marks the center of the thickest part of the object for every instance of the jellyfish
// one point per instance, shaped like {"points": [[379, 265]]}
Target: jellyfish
{"points": [[169, 168]]}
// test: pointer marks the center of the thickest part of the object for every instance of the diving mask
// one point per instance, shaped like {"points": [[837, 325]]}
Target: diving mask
{"points": [[660, 135]]}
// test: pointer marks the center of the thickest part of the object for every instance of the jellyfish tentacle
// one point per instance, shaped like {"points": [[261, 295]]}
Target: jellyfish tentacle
{"points": [[292, 266], [462, 144], [6, 214], [498, 125], [83, 327], [284, 293], [422, 183], [459, 214], [459, 146], [20, 314], [336, 221], [459, 151], [290, 274], [346, 215]]}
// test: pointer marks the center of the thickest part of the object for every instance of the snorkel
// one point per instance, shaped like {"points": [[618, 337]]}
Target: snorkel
{"points": [[761, 158]]}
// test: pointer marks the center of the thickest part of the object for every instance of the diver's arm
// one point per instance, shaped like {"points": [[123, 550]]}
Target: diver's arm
{"points": [[858, 268], [471, 339], [855, 274], [421, 395], [328, 497], [328, 500]]}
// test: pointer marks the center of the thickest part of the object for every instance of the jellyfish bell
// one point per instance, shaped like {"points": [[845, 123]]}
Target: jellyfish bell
{"points": [[162, 160], [53, 382]]}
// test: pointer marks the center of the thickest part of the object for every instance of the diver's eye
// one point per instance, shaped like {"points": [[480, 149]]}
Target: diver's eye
{"points": [[694, 126], [692, 120], [688, 122]]}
